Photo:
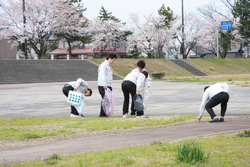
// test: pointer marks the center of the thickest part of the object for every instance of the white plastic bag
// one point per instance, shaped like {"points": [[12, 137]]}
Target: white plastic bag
{"points": [[82, 107], [74, 98], [145, 98], [108, 102]]}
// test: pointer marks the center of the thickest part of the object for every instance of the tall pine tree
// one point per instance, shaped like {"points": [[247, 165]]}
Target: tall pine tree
{"points": [[168, 13], [241, 10], [105, 15]]}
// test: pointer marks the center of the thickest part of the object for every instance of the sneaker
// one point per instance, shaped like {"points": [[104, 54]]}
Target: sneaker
{"points": [[141, 116], [214, 120], [72, 115], [103, 116], [221, 119], [125, 115], [82, 115]]}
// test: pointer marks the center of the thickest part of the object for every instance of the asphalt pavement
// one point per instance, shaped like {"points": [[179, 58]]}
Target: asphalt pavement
{"points": [[47, 99]]}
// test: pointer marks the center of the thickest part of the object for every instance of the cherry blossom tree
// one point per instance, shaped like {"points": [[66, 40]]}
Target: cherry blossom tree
{"points": [[43, 19], [202, 32], [104, 32], [151, 36]]}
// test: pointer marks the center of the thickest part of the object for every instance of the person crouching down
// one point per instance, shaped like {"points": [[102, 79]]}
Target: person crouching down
{"points": [[80, 86], [134, 83], [212, 96]]}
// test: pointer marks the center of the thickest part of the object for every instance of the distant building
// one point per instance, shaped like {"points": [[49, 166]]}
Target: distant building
{"points": [[6, 50], [234, 53]]}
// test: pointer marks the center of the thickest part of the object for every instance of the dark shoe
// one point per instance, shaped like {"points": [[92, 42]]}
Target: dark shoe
{"points": [[221, 119], [214, 120], [103, 116]]}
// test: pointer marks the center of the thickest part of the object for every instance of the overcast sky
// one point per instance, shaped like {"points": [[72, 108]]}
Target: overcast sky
{"points": [[122, 8]]}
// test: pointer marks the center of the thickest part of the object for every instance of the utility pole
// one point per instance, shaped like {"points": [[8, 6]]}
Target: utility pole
{"points": [[24, 22], [182, 45], [217, 29]]}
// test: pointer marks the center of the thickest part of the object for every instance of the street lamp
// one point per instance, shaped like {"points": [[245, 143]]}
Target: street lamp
{"points": [[24, 22], [182, 45]]}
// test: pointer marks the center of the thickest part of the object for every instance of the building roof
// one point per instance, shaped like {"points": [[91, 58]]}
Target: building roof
{"points": [[111, 49], [235, 50], [63, 51], [83, 18]]}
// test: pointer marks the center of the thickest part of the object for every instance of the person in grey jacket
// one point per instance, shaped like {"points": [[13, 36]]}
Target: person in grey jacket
{"points": [[212, 96], [105, 77], [80, 86]]}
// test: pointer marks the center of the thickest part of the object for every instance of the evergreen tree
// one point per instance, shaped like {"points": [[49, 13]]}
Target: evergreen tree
{"points": [[105, 15], [135, 52], [241, 10], [168, 13]]}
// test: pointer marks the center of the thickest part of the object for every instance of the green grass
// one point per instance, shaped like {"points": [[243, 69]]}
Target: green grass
{"points": [[240, 79], [191, 153], [124, 66], [225, 150], [246, 133], [36, 127], [214, 67], [218, 66]]}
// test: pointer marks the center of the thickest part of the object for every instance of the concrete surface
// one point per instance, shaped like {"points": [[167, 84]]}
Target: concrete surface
{"points": [[47, 99]]}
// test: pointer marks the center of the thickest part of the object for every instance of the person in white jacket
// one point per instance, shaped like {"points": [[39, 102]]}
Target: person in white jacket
{"points": [[212, 96], [133, 83], [140, 67], [105, 77], [80, 86]]}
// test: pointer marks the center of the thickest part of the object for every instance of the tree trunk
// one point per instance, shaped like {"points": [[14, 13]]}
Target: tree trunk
{"points": [[149, 55], [160, 52], [69, 48]]}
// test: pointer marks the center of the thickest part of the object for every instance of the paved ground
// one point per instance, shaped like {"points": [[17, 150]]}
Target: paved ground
{"points": [[119, 140], [47, 100]]}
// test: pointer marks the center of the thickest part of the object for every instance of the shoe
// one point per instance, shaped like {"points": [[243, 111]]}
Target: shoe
{"points": [[103, 116], [214, 120], [72, 115], [125, 115], [82, 115], [141, 116], [221, 119]]}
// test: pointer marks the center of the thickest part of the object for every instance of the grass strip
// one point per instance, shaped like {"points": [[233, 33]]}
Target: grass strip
{"points": [[225, 150], [35, 127]]}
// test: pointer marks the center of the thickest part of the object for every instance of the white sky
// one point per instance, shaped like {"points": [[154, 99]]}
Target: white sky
{"points": [[121, 8]]}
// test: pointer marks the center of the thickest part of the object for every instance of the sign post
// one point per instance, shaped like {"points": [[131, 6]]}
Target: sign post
{"points": [[226, 25]]}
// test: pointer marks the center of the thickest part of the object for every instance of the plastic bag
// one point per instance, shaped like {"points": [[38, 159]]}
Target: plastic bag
{"points": [[74, 98], [145, 98], [108, 102], [138, 102], [82, 107]]}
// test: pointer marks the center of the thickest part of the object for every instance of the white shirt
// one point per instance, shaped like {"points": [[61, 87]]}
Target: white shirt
{"points": [[81, 84], [148, 79], [138, 79], [210, 92], [105, 74]]}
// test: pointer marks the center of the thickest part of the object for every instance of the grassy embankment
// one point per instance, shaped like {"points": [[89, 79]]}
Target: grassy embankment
{"points": [[233, 71]]}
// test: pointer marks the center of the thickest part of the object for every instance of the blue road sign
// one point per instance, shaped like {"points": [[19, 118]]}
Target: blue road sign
{"points": [[226, 25]]}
